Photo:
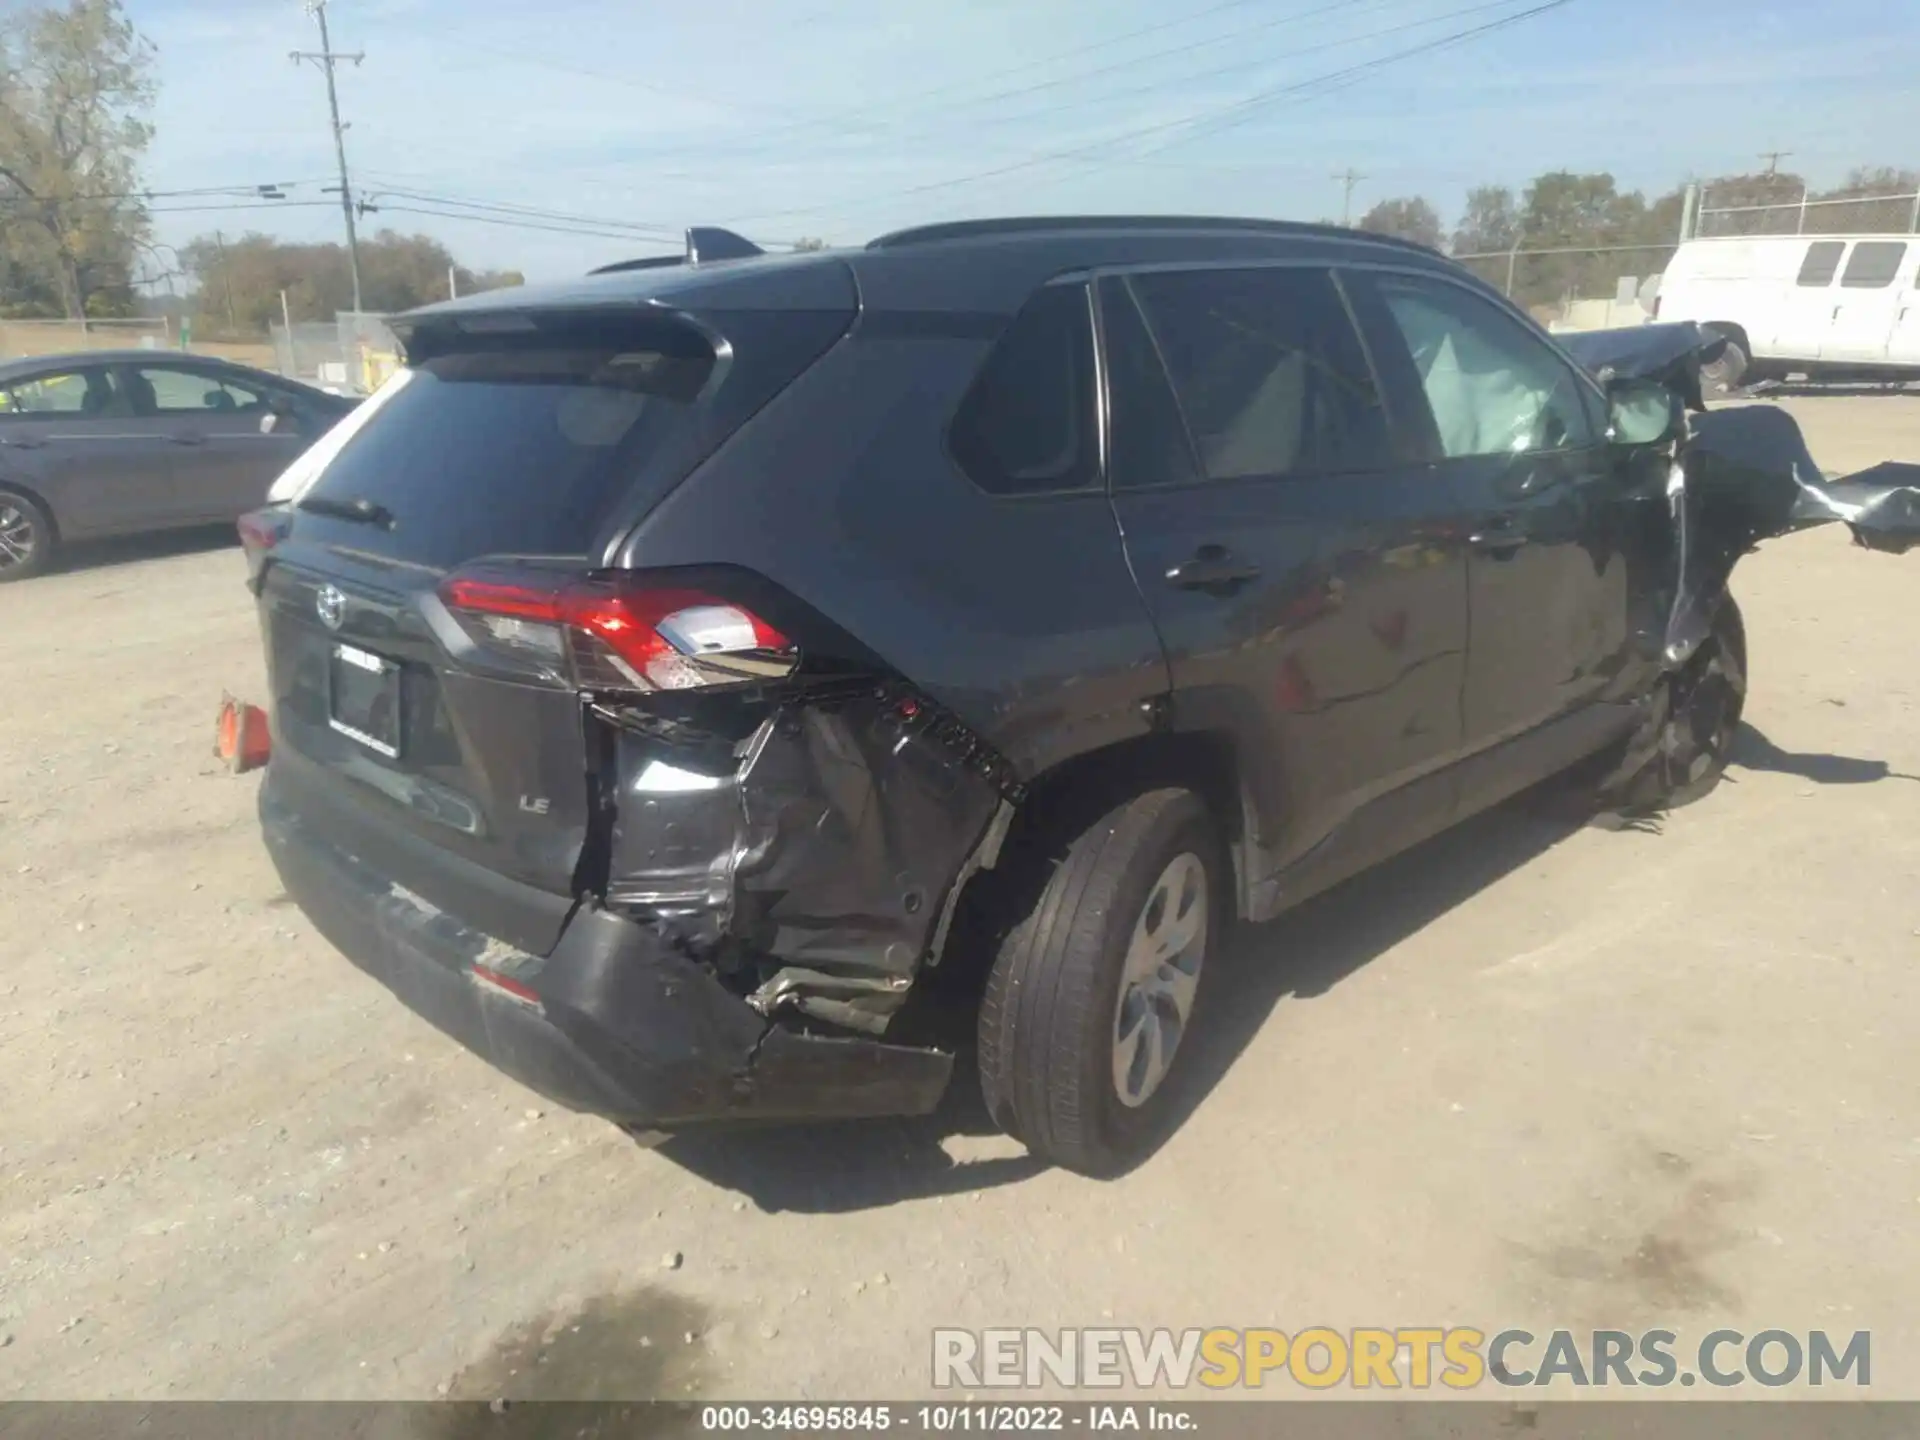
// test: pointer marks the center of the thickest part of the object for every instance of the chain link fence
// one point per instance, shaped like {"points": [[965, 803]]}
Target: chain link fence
{"points": [[1849, 215], [353, 353], [1577, 287]]}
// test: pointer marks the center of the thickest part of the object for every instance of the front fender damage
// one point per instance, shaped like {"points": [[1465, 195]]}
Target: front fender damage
{"points": [[1738, 475], [806, 848]]}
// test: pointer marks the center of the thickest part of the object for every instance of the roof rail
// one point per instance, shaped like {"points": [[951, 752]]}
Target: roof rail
{"points": [[1044, 224], [704, 243]]}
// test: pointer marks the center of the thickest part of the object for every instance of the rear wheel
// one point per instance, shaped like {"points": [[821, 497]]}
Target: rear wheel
{"points": [[26, 537], [1094, 991]]}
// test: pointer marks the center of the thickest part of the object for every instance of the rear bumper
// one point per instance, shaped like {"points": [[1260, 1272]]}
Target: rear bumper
{"points": [[612, 1022]]}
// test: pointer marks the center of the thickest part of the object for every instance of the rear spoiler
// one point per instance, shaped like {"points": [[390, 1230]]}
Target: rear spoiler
{"points": [[705, 243]]}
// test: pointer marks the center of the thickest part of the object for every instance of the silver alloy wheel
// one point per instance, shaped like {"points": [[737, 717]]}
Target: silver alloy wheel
{"points": [[17, 541], [1159, 979]]}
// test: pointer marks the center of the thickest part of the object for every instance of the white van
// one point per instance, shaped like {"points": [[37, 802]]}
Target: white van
{"points": [[1812, 304]]}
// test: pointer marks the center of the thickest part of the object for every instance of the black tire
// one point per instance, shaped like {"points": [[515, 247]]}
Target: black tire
{"points": [[1726, 373], [1050, 1016], [1681, 750], [1707, 699], [27, 537]]}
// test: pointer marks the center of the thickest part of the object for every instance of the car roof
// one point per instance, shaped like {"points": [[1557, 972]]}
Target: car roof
{"points": [[126, 356], [987, 266]]}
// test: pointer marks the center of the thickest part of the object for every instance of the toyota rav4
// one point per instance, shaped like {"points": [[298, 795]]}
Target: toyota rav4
{"points": [[690, 682]]}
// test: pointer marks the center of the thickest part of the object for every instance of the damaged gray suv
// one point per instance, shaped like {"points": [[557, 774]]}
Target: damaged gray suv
{"points": [[693, 685]]}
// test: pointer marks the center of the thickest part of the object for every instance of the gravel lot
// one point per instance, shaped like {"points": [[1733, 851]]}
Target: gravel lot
{"points": [[1524, 1075]]}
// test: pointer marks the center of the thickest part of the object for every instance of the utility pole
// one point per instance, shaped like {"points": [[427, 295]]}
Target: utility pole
{"points": [[1773, 159], [1348, 178], [326, 57], [226, 281]]}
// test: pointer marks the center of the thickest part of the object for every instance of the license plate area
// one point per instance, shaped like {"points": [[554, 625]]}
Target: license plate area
{"points": [[363, 699]]}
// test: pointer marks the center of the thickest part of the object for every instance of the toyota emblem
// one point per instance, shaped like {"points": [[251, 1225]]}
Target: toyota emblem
{"points": [[331, 606]]}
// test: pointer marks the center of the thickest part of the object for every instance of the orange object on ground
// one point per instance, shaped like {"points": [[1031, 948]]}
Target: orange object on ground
{"points": [[240, 736]]}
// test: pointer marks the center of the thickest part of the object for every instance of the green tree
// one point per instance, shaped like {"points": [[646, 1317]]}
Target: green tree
{"points": [[75, 89], [241, 278], [1490, 227], [1759, 204], [1412, 218], [1875, 215]]}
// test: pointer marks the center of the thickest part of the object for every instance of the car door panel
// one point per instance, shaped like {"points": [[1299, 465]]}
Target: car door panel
{"points": [[1312, 603], [71, 435], [223, 461], [1867, 302], [1565, 540]]}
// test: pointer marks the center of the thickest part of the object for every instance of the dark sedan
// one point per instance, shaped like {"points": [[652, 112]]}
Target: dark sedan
{"points": [[116, 442]]}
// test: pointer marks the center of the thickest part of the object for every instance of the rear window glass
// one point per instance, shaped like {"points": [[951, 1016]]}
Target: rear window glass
{"points": [[1873, 264], [526, 442], [1268, 371], [1027, 426], [1823, 259]]}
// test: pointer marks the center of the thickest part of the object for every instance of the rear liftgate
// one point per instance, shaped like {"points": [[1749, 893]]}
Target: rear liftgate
{"points": [[780, 808]]}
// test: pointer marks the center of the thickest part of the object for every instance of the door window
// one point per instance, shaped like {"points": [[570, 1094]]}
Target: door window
{"points": [[1822, 262], [1873, 265], [1267, 369], [75, 394], [169, 391], [1027, 425], [1494, 388]]}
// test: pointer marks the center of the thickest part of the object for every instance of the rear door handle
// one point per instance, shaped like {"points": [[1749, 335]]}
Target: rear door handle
{"points": [[187, 439], [1212, 567], [1497, 537], [23, 444]]}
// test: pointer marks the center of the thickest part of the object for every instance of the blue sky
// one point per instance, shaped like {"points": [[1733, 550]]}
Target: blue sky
{"points": [[844, 118]]}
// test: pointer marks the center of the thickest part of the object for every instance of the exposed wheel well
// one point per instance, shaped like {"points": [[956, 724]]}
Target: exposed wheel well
{"points": [[1060, 804], [1733, 331]]}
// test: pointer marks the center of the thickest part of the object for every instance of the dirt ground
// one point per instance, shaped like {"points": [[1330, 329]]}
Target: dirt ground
{"points": [[1524, 1075]]}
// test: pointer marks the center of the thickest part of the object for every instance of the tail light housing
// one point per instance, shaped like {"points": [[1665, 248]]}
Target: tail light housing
{"points": [[620, 631], [260, 531]]}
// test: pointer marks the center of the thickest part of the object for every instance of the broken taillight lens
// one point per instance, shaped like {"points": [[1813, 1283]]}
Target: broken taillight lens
{"points": [[621, 632]]}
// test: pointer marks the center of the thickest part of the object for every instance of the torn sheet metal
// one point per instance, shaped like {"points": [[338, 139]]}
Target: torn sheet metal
{"points": [[1740, 474], [1673, 354], [811, 862]]}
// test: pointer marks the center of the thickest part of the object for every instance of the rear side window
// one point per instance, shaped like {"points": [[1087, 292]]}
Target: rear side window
{"points": [[1026, 426], [1268, 371], [74, 394], [1148, 435], [1873, 264], [523, 442], [1823, 259]]}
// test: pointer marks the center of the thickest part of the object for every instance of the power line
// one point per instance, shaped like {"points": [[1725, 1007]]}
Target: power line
{"points": [[1213, 119], [584, 231], [530, 212], [326, 58]]}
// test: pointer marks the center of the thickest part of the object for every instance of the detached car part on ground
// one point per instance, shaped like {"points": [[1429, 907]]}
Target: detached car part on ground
{"points": [[706, 819]]}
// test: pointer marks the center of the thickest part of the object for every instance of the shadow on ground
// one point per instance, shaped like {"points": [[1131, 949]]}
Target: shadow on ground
{"points": [[857, 1166], [1754, 751], [85, 555]]}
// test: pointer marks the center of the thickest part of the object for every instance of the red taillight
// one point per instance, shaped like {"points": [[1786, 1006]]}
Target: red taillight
{"points": [[261, 529], [621, 632]]}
